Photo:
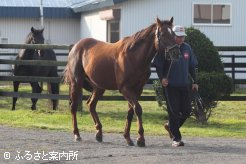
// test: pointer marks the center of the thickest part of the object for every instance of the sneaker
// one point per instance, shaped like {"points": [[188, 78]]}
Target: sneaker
{"points": [[177, 143], [168, 130]]}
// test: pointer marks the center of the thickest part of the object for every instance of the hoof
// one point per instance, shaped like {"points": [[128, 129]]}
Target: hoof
{"points": [[129, 142], [33, 108], [141, 143], [99, 138], [77, 138]]}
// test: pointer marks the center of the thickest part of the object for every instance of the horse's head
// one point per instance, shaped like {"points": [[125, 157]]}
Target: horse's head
{"points": [[164, 38], [35, 36]]}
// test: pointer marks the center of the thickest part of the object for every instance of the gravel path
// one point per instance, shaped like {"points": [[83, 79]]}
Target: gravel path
{"points": [[45, 146]]}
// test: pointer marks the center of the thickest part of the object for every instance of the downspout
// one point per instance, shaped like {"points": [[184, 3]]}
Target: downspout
{"points": [[41, 14]]}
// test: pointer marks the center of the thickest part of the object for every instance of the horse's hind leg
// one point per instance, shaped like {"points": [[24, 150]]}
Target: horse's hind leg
{"points": [[16, 87], [35, 89], [92, 102], [74, 91]]}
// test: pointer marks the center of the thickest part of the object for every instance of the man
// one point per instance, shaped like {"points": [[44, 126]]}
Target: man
{"points": [[178, 84]]}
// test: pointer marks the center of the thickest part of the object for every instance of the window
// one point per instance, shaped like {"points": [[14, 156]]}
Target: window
{"points": [[113, 31], [112, 16], [212, 14]]}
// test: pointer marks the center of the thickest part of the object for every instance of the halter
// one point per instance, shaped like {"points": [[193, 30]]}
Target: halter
{"points": [[38, 51], [172, 53]]}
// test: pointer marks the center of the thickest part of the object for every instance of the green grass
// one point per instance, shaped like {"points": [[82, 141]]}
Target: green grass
{"points": [[228, 118]]}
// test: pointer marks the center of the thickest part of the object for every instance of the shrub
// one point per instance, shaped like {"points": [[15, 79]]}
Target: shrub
{"points": [[207, 55], [213, 82], [212, 86]]}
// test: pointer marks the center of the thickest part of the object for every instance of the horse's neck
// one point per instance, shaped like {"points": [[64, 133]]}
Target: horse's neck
{"points": [[148, 52]]}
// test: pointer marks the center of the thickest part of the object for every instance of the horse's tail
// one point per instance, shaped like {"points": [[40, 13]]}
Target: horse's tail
{"points": [[74, 70]]}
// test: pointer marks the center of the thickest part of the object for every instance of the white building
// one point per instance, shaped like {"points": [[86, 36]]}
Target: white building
{"points": [[61, 24], [66, 21], [221, 20]]}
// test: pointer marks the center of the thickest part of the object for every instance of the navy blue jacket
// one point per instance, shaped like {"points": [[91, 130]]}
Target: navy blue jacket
{"points": [[180, 69]]}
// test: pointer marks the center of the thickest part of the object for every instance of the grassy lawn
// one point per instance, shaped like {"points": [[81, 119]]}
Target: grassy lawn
{"points": [[228, 118]]}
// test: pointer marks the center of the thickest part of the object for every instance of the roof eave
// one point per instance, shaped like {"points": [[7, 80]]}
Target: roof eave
{"points": [[96, 6], [34, 12]]}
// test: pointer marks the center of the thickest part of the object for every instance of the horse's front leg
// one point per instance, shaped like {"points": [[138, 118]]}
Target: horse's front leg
{"points": [[54, 90], [129, 118], [16, 87], [35, 89], [132, 100], [138, 111], [73, 92]]}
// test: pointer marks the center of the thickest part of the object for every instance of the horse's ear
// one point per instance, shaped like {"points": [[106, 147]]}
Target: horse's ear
{"points": [[32, 30], [158, 22], [171, 21]]}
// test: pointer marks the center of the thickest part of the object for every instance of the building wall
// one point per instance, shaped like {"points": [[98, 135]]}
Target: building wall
{"points": [[138, 14], [56, 31], [93, 26]]}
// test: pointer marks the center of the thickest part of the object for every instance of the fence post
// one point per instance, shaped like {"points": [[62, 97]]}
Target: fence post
{"points": [[233, 70]]}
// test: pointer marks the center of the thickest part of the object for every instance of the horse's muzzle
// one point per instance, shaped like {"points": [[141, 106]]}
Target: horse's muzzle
{"points": [[172, 52]]}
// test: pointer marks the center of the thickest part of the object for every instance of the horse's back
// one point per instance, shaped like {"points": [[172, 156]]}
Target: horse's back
{"points": [[98, 61]]}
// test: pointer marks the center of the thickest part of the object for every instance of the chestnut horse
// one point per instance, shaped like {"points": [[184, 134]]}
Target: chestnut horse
{"points": [[124, 66]]}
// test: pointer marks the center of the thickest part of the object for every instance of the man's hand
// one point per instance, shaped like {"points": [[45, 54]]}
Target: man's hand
{"points": [[164, 82], [195, 87]]}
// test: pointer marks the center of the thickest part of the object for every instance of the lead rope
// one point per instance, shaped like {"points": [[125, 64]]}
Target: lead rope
{"points": [[166, 93], [157, 33]]}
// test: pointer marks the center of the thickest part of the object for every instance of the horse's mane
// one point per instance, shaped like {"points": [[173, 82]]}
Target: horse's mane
{"points": [[132, 41], [29, 38]]}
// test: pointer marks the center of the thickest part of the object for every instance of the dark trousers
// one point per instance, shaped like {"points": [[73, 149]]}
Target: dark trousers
{"points": [[179, 108]]}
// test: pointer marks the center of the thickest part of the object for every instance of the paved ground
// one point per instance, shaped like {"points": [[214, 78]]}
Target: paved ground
{"points": [[43, 146]]}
